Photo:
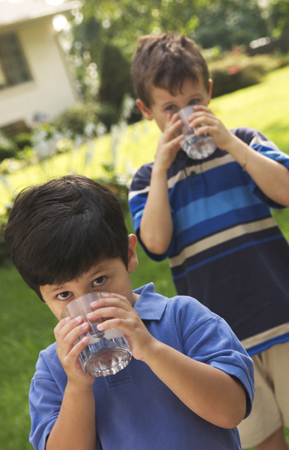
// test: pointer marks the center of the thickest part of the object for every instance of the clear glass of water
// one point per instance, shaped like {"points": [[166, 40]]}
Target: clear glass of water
{"points": [[196, 147], [108, 351]]}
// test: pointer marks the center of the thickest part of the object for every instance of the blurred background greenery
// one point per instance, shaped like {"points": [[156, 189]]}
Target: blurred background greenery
{"points": [[246, 44]]}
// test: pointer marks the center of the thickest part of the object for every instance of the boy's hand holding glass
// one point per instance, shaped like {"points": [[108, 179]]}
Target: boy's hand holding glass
{"points": [[196, 146], [107, 352], [169, 143], [119, 312], [67, 332]]}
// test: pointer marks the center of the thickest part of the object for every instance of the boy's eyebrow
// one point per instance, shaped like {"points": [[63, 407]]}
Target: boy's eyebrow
{"points": [[196, 94], [56, 289], [168, 103], [61, 286], [99, 269]]}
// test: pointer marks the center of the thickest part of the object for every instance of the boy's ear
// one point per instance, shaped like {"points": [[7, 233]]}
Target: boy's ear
{"points": [[146, 112], [210, 89], [132, 256]]}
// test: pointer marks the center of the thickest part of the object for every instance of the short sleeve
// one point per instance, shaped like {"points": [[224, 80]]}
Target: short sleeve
{"points": [[208, 338], [263, 145], [138, 195], [45, 398]]}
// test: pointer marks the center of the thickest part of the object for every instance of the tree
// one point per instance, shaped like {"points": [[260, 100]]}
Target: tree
{"points": [[278, 16], [230, 23], [107, 36]]}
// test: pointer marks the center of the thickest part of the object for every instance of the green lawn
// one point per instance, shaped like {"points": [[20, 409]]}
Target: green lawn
{"points": [[26, 323]]}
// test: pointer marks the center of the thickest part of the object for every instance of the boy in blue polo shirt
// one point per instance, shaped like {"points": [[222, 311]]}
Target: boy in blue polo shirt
{"points": [[189, 383], [212, 219]]}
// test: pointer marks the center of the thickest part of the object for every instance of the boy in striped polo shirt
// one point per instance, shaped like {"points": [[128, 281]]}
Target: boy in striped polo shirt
{"points": [[212, 219]]}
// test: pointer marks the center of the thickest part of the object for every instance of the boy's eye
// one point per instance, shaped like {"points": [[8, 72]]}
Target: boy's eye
{"points": [[194, 101], [98, 281], [64, 295], [170, 108]]}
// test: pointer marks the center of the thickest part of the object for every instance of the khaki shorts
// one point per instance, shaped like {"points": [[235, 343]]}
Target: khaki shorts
{"points": [[271, 403]]}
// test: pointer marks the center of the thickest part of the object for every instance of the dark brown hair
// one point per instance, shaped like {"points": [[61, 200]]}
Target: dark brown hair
{"points": [[166, 61], [57, 231]]}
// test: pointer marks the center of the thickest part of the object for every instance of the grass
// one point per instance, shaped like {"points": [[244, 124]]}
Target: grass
{"points": [[26, 327], [263, 107], [26, 323]]}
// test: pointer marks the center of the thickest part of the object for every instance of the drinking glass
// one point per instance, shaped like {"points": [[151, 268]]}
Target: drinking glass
{"points": [[196, 147], [108, 351]]}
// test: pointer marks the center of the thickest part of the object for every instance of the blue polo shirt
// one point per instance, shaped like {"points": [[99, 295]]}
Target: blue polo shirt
{"points": [[136, 410]]}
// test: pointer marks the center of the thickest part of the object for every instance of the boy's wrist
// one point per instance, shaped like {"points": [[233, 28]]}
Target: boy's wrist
{"points": [[153, 352], [75, 388], [159, 170]]}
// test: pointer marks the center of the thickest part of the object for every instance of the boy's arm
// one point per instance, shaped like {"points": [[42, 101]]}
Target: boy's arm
{"points": [[209, 392], [269, 175], [75, 426], [156, 226]]}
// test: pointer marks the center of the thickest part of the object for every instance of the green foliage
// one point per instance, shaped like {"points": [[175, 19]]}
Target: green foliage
{"points": [[230, 23], [105, 38], [227, 23], [108, 35], [75, 119], [116, 183], [238, 71], [109, 114], [22, 140], [7, 148], [122, 22], [115, 77], [278, 16]]}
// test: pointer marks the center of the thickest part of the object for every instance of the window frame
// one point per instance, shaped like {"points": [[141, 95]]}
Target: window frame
{"points": [[14, 69]]}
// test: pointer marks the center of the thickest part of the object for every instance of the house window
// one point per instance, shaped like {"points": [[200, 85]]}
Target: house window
{"points": [[13, 67]]}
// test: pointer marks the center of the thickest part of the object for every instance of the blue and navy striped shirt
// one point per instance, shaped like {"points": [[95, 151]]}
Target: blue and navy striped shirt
{"points": [[227, 250]]}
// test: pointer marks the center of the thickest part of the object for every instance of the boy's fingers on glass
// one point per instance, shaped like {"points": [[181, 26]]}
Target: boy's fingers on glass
{"points": [[177, 124], [66, 319], [177, 140], [64, 326], [63, 322], [108, 300], [78, 319], [174, 127], [72, 339], [175, 116], [73, 331], [78, 347]]}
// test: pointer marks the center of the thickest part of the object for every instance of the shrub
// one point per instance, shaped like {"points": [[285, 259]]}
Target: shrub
{"points": [[7, 148], [108, 114], [22, 140], [75, 119], [237, 71], [115, 85]]}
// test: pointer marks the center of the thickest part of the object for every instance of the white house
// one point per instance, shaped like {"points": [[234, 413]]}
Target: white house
{"points": [[34, 75]]}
